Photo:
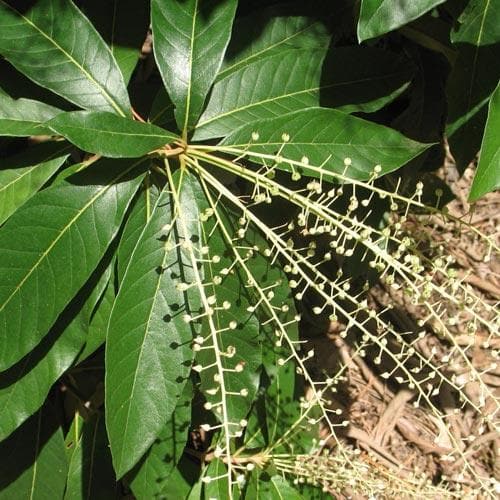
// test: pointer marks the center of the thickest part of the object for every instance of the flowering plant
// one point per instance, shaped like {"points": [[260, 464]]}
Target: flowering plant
{"points": [[172, 220]]}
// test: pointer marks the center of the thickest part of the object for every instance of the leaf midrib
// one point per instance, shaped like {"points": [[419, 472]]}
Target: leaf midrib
{"points": [[29, 170], [275, 486], [102, 90], [63, 232], [374, 15], [21, 120], [145, 325], [261, 144], [92, 454], [37, 446], [114, 132], [189, 89], [292, 94]]}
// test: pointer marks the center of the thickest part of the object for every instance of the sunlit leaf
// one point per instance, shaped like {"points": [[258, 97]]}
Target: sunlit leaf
{"points": [[380, 16], [190, 38], [81, 67], [269, 31], [26, 384], [328, 137], [270, 85], [24, 117], [80, 218], [272, 488], [33, 460], [22, 175], [110, 135], [147, 350], [487, 177]]}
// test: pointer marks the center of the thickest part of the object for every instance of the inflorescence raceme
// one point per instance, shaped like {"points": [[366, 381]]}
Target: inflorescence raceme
{"points": [[313, 254]]}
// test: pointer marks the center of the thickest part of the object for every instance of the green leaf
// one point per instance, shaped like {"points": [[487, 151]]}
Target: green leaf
{"points": [[70, 170], [270, 488], [381, 16], [190, 38], [280, 486], [56, 46], [148, 353], [472, 80], [196, 492], [22, 175], [313, 492], [90, 473], [24, 117], [33, 460], [73, 436], [277, 410], [271, 31], [327, 137], [182, 480], [93, 318], [98, 324], [80, 218], [139, 215], [26, 384], [18, 86], [487, 177], [155, 474], [267, 87], [109, 135], [478, 24], [349, 78], [124, 25], [216, 488]]}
